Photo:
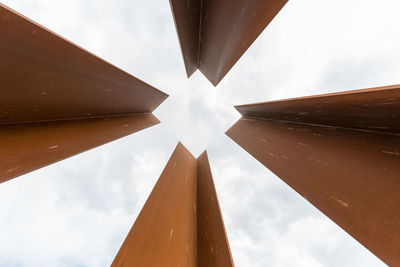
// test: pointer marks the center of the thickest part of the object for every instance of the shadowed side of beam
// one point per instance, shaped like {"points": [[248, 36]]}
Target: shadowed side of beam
{"points": [[214, 34], [212, 242], [44, 77], [164, 233], [27, 147], [351, 176], [374, 109], [186, 15]]}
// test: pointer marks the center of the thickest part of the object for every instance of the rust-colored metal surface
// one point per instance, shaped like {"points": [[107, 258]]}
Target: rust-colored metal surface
{"points": [[376, 109], [187, 22], [182, 205], [27, 147], [57, 100], [164, 233], [44, 77], [226, 30], [212, 242], [334, 160]]}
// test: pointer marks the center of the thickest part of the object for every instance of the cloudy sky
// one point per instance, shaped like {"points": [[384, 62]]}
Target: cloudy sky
{"points": [[77, 212]]}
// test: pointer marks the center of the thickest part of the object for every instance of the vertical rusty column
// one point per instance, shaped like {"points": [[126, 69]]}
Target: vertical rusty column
{"points": [[341, 152], [164, 232], [181, 223], [57, 100], [214, 38], [212, 243]]}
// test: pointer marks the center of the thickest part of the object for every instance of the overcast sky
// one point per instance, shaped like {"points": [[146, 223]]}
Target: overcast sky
{"points": [[77, 212]]}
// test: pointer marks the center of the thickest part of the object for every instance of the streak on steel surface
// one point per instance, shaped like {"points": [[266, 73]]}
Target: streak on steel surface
{"points": [[226, 30], [374, 109], [27, 147], [351, 176], [44, 77], [181, 222], [164, 233], [212, 242]]}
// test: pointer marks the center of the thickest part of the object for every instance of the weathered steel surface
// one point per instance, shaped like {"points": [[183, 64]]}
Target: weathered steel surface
{"points": [[181, 223], [57, 100], [27, 147], [187, 23], [341, 152], [376, 109], [353, 177], [164, 233], [226, 30], [43, 77], [212, 242]]}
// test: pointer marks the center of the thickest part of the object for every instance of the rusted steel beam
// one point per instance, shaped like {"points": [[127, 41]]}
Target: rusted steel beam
{"points": [[212, 243], [166, 231], [27, 147], [374, 109], [44, 77], [57, 100], [339, 161], [187, 24], [214, 34]]}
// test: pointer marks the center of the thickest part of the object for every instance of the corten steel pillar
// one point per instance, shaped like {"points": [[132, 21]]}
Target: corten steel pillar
{"points": [[341, 152], [214, 34], [57, 100], [181, 222]]}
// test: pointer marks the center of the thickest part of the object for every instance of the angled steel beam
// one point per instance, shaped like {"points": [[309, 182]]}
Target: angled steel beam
{"points": [[341, 152], [27, 147], [374, 109], [44, 77], [214, 34], [181, 222], [57, 100], [212, 243]]}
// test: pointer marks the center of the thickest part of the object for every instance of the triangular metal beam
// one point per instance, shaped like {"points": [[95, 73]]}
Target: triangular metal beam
{"points": [[57, 100], [341, 152], [181, 222], [214, 34]]}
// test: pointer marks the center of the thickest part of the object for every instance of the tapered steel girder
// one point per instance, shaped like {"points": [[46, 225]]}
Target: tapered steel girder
{"points": [[57, 100], [214, 34], [181, 222], [27, 147], [341, 152]]}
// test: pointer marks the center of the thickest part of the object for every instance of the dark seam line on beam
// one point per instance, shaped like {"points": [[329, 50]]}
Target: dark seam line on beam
{"points": [[200, 29], [322, 125], [73, 119]]}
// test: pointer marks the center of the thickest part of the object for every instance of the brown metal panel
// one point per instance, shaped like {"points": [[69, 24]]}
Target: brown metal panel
{"points": [[187, 23], [212, 242], [164, 232], [376, 109], [351, 176], [44, 77], [226, 30], [181, 223], [27, 147]]}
